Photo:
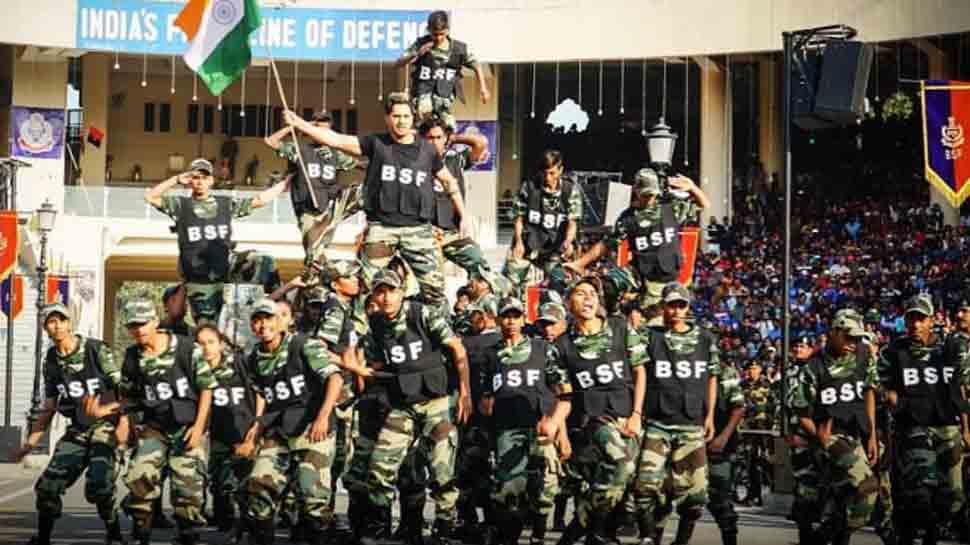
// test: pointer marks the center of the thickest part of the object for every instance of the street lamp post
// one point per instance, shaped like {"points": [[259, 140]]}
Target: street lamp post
{"points": [[661, 142], [46, 215]]}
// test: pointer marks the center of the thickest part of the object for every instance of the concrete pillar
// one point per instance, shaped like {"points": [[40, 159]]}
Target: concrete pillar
{"points": [[95, 81], [715, 178], [770, 128], [938, 69]]}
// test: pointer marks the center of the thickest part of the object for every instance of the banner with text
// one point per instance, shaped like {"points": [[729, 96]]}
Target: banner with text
{"points": [[143, 26], [946, 110]]}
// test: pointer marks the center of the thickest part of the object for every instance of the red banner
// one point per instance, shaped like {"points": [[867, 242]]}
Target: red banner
{"points": [[58, 289], [690, 238], [12, 296], [8, 242]]}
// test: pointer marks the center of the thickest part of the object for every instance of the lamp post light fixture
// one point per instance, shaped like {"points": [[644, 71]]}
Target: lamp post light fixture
{"points": [[46, 216], [661, 142]]}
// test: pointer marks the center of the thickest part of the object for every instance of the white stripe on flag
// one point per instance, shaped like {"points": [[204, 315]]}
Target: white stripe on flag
{"points": [[219, 19]]}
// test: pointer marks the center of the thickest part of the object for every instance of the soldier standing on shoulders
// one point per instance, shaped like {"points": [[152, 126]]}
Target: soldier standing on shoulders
{"points": [[80, 381]]}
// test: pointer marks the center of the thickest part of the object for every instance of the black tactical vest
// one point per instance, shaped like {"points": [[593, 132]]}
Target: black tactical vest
{"points": [[544, 229], [204, 243], [929, 392], [321, 165], [842, 399], [522, 396], [722, 415], [294, 393], [233, 404], [415, 360], [170, 399], [656, 249], [399, 185], [677, 382], [477, 347], [602, 386], [444, 210], [431, 76], [74, 387]]}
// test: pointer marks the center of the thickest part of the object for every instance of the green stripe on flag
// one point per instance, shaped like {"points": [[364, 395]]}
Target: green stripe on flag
{"points": [[228, 61]]}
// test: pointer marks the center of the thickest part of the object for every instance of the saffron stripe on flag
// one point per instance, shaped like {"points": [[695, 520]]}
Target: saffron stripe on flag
{"points": [[190, 18]]}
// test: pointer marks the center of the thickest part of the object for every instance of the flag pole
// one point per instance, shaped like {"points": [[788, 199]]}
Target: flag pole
{"points": [[296, 140]]}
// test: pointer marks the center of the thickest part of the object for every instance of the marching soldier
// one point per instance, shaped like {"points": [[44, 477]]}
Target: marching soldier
{"points": [[203, 223], [759, 416], [169, 377], [301, 382], [526, 394], [683, 370], [721, 454], [436, 77], [406, 340], [836, 405], [80, 382], [547, 215], [923, 388], [603, 359]]}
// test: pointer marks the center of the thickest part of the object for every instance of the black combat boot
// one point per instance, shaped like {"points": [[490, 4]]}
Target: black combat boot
{"points": [[559, 514], [375, 526], [729, 537], [412, 520], [539, 522], [113, 535], [141, 531], [598, 531], [261, 532], [685, 529], [574, 532], [648, 529], [45, 525]]}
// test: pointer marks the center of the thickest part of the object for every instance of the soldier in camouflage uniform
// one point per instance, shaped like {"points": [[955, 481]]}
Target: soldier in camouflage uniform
{"points": [[320, 203], [406, 340], [547, 215], [301, 381], [525, 392], [758, 395], [651, 228], [604, 361], [923, 388], [80, 382], [436, 77], [398, 194], [683, 371], [835, 402], [203, 223], [169, 377], [460, 250], [958, 344]]}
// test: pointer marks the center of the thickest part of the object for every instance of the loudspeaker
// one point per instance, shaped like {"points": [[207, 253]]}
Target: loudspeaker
{"points": [[805, 75], [841, 91]]}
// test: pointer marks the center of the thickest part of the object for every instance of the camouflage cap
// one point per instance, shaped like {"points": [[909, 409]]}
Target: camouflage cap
{"points": [[921, 304], [487, 303], [872, 316], [387, 277], [552, 312], [139, 311], [343, 268], [675, 291], [264, 306], [201, 164], [852, 326], [316, 294], [511, 304], [55, 308], [647, 182]]}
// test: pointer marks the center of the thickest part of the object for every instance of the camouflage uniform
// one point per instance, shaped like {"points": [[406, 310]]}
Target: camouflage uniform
{"points": [[317, 229], [420, 425], [844, 457], [806, 461], [85, 445], [758, 416], [550, 262], [205, 299], [430, 104], [161, 446], [722, 466], [283, 456], [674, 449]]}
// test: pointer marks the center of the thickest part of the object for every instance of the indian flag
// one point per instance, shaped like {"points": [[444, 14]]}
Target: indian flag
{"points": [[218, 33]]}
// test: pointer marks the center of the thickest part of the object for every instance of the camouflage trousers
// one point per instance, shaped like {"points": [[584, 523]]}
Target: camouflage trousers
{"points": [[882, 519], [517, 272], [416, 246], [809, 481], [462, 251], [473, 464], [317, 230], [428, 105], [930, 472], [371, 413], [853, 484], [281, 459], [606, 459], [343, 442], [527, 471], [156, 452], [205, 299], [722, 469], [227, 473], [426, 425], [92, 451], [680, 453], [627, 279]]}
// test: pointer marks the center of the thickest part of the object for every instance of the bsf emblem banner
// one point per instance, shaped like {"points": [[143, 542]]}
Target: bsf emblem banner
{"points": [[946, 118], [8, 242]]}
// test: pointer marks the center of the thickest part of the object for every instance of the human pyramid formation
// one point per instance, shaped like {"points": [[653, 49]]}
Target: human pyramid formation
{"points": [[377, 386]]}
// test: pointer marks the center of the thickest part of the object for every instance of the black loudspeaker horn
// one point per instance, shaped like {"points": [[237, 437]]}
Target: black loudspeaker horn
{"points": [[841, 93], [805, 76]]}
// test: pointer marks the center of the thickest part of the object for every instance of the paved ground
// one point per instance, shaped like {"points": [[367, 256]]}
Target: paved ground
{"points": [[80, 524]]}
